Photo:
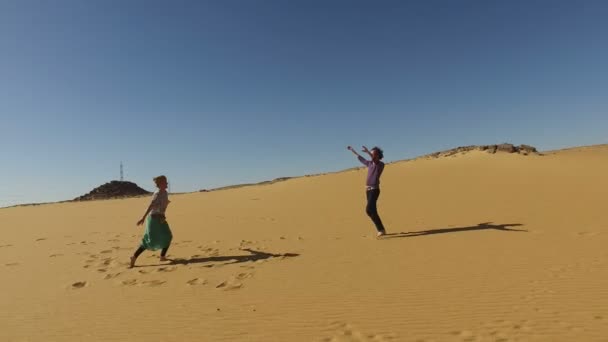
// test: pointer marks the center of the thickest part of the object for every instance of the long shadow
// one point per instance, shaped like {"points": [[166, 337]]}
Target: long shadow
{"points": [[481, 226], [234, 259]]}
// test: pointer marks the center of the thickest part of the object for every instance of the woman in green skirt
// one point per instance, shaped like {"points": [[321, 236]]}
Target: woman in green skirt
{"points": [[158, 234]]}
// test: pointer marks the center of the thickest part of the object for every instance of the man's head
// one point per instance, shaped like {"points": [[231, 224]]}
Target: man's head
{"points": [[377, 154]]}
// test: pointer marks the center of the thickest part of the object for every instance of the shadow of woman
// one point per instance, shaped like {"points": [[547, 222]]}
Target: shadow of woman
{"points": [[228, 259]]}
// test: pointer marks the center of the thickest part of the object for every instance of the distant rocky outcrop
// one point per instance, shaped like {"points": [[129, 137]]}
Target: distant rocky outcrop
{"points": [[114, 189], [499, 148]]}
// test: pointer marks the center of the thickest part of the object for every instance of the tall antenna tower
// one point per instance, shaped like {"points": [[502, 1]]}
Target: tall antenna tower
{"points": [[121, 173]]}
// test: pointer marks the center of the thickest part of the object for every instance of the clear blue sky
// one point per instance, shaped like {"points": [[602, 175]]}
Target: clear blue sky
{"points": [[212, 93]]}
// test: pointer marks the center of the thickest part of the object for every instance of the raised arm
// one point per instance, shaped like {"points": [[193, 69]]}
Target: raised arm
{"points": [[361, 159], [367, 151], [353, 151]]}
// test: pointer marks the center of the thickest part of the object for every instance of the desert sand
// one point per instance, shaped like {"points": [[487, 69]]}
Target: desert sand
{"points": [[483, 247]]}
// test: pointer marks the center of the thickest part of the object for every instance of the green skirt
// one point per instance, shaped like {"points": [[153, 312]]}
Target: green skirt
{"points": [[157, 235]]}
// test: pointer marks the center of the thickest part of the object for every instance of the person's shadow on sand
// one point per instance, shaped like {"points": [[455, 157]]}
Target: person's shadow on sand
{"points": [[233, 259], [481, 226]]}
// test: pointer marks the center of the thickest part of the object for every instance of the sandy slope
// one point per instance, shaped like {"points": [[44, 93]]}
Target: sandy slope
{"points": [[485, 248]]}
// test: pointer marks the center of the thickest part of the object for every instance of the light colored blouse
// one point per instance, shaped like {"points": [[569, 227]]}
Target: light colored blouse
{"points": [[160, 201]]}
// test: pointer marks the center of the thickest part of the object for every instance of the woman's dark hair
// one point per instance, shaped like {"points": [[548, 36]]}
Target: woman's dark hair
{"points": [[379, 151]]}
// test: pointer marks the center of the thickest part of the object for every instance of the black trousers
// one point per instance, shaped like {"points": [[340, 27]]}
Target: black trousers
{"points": [[140, 250], [372, 209]]}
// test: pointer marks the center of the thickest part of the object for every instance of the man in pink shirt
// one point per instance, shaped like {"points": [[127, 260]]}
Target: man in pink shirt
{"points": [[372, 184]]}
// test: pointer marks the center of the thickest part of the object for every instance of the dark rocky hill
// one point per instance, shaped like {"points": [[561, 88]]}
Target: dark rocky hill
{"points": [[114, 189]]}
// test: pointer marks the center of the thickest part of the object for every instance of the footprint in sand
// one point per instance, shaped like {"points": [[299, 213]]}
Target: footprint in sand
{"points": [[346, 332], [497, 330], [143, 271], [40, 239], [166, 269], [234, 283], [106, 251], [102, 270], [12, 264], [90, 262], [227, 286], [242, 276], [111, 275], [271, 219], [197, 281], [465, 335], [107, 262], [129, 282], [587, 234], [55, 255], [3, 246], [152, 283], [79, 284]]}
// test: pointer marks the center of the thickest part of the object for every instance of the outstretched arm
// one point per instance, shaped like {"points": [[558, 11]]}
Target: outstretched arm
{"points": [[361, 159], [367, 151], [353, 151]]}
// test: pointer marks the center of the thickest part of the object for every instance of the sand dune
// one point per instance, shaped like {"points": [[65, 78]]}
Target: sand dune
{"points": [[482, 248]]}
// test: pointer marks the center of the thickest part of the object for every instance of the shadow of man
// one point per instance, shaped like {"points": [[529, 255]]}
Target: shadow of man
{"points": [[481, 226], [234, 259]]}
